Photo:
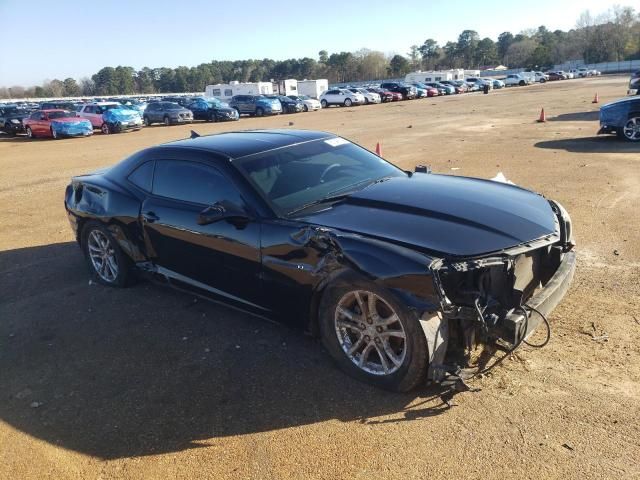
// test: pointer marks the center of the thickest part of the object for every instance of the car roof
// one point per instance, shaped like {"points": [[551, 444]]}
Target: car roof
{"points": [[248, 142]]}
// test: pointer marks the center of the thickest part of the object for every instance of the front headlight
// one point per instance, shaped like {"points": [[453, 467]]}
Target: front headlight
{"points": [[15, 120]]}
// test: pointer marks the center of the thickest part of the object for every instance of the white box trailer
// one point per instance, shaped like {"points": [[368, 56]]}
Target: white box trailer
{"points": [[313, 88], [224, 91], [471, 73], [434, 75], [286, 87]]}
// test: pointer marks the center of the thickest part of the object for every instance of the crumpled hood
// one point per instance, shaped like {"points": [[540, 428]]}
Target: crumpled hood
{"points": [[446, 215]]}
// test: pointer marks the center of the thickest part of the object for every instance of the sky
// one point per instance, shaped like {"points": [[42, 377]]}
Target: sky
{"points": [[60, 39]]}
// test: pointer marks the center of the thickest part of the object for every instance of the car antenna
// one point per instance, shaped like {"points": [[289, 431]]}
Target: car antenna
{"points": [[194, 134]]}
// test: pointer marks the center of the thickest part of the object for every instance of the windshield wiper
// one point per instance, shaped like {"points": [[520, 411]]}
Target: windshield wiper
{"points": [[320, 201], [335, 196]]}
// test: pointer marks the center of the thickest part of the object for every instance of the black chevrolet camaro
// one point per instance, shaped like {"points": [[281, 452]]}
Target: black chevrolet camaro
{"points": [[400, 273]]}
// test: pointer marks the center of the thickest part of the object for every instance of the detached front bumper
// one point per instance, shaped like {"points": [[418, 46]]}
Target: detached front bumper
{"points": [[544, 301]]}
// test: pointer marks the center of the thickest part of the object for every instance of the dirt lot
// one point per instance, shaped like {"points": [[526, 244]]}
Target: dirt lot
{"points": [[149, 383]]}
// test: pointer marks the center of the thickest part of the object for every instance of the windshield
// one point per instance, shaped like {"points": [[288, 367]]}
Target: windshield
{"points": [[61, 114], [300, 175], [214, 102], [171, 106], [304, 97]]}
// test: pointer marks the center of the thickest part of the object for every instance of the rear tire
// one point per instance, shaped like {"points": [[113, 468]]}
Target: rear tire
{"points": [[146, 121], [104, 128], [404, 366], [106, 261], [259, 112], [305, 108], [347, 102], [54, 134], [324, 103], [166, 121], [522, 83]]}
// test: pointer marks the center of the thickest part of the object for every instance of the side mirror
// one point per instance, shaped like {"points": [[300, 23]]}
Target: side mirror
{"points": [[224, 210]]}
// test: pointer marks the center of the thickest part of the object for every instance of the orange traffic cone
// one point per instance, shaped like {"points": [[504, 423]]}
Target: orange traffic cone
{"points": [[543, 117], [378, 149], [596, 99]]}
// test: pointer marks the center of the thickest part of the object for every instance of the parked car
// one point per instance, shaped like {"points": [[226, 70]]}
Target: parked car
{"points": [[437, 87], [342, 97], [59, 105], [515, 79], [257, 105], [621, 117], [554, 76], [398, 273], [110, 117], [566, 75], [385, 95], [460, 86], [408, 92], [12, 118], [288, 105], [480, 82], [369, 97], [309, 104], [169, 113], [497, 84], [634, 84], [212, 110], [57, 124]]}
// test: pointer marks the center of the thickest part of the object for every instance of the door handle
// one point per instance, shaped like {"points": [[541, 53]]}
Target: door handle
{"points": [[150, 217]]}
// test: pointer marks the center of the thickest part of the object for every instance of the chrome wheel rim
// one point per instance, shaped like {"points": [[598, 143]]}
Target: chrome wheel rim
{"points": [[103, 256], [105, 129], [166, 121], [370, 333], [29, 133], [631, 130], [54, 134]]}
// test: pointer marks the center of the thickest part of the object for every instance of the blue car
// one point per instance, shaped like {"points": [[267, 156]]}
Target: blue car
{"points": [[622, 117], [257, 105]]}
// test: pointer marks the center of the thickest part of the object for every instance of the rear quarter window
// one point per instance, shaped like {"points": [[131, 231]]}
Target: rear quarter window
{"points": [[142, 177]]}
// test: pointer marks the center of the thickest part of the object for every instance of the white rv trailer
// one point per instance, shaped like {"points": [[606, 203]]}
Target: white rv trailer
{"points": [[471, 73], [225, 91], [434, 75], [313, 88], [286, 87]]}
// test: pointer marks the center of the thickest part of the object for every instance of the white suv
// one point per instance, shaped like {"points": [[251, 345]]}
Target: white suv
{"points": [[516, 79], [340, 96]]}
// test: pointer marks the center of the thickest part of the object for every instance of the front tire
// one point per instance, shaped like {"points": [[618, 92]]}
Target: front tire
{"points": [[30, 133], [106, 261], [166, 121], [54, 134], [146, 121], [631, 129], [305, 108], [104, 128], [371, 336], [259, 112], [323, 103], [347, 102]]}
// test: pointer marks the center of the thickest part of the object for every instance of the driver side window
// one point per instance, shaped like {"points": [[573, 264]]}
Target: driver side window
{"points": [[193, 182]]}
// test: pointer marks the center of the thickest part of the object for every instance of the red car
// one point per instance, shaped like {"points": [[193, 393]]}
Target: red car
{"points": [[56, 124], [385, 95], [432, 92], [397, 96]]}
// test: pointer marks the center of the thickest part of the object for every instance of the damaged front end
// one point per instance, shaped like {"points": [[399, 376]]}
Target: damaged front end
{"points": [[496, 301]]}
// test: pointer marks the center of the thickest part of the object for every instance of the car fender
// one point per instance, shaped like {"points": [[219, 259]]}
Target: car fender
{"points": [[404, 272]]}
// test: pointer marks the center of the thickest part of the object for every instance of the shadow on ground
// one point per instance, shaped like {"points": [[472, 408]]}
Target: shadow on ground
{"points": [[601, 144], [576, 117], [128, 372]]}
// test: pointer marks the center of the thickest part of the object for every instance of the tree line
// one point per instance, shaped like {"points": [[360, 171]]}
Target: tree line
{"points": [[612, 36]]}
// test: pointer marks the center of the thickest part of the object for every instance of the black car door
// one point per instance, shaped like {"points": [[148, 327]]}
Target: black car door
{"points": [[222, 257]]}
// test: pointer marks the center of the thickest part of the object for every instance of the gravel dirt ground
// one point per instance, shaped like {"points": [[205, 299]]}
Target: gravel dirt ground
{"points": [[147, 382]]}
